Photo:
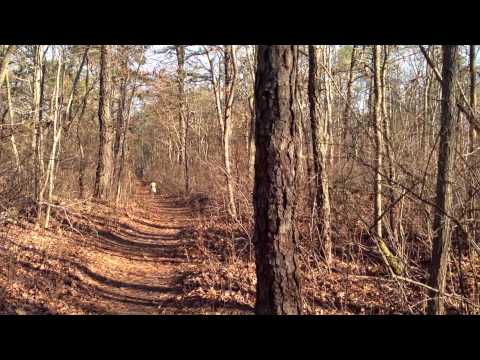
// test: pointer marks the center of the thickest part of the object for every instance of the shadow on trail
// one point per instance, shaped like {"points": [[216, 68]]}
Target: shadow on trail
{"points": [[132, 264], [93, 293]]}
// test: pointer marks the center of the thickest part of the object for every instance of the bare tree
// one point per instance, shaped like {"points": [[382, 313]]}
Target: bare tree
{"points": [[441, 227]]}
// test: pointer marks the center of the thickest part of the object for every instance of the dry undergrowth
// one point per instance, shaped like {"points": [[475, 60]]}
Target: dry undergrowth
{"points": [[160, 257]]}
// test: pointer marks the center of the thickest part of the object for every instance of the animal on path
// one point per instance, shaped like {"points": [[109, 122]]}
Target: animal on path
{"points": [[153, 187]]}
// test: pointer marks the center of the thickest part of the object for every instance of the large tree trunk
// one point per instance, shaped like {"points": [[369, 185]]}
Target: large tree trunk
{"points": [[277, 264], [230, 78], [441, 239], [104, 174], [321, 138]]}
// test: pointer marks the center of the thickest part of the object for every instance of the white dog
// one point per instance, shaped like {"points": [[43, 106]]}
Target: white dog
{"points": [[153, 187]]}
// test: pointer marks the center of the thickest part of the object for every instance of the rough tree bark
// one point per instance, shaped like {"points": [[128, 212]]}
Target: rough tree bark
{"points": [[320, 137], [441, 238], [104, 174], [277, 263]]}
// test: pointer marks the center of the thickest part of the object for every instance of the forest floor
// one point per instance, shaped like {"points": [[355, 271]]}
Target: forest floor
{"points": [[160, 255], [97, 260]]}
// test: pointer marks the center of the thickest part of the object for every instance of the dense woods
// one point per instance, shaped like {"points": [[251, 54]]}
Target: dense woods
{"points": [[291, 179]]}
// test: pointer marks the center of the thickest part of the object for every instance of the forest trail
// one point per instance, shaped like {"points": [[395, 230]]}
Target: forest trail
{"points": [[143, 258], [129, 261]]}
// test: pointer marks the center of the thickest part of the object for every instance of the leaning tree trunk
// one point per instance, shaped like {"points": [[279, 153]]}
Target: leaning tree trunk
{"points": [[277, 263], [320, 137], [441, 239], [104, 174]]}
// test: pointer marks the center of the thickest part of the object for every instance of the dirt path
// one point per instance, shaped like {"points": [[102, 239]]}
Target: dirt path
{"points": [[106, 261], [140, 260]]}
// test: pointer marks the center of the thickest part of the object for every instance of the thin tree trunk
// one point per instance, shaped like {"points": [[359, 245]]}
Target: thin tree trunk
{"points": [[4, 64], [120, 119], [83, 162], [38, 127], [182, 115], [393, 217], [321, 138], [348, 103], [377, 124], [441, 222], [12, 122], [275, 196], [104, 174], [251, 139], [230, 79], [472, 134], [216, 93], [56, 135], [327, 83]]}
